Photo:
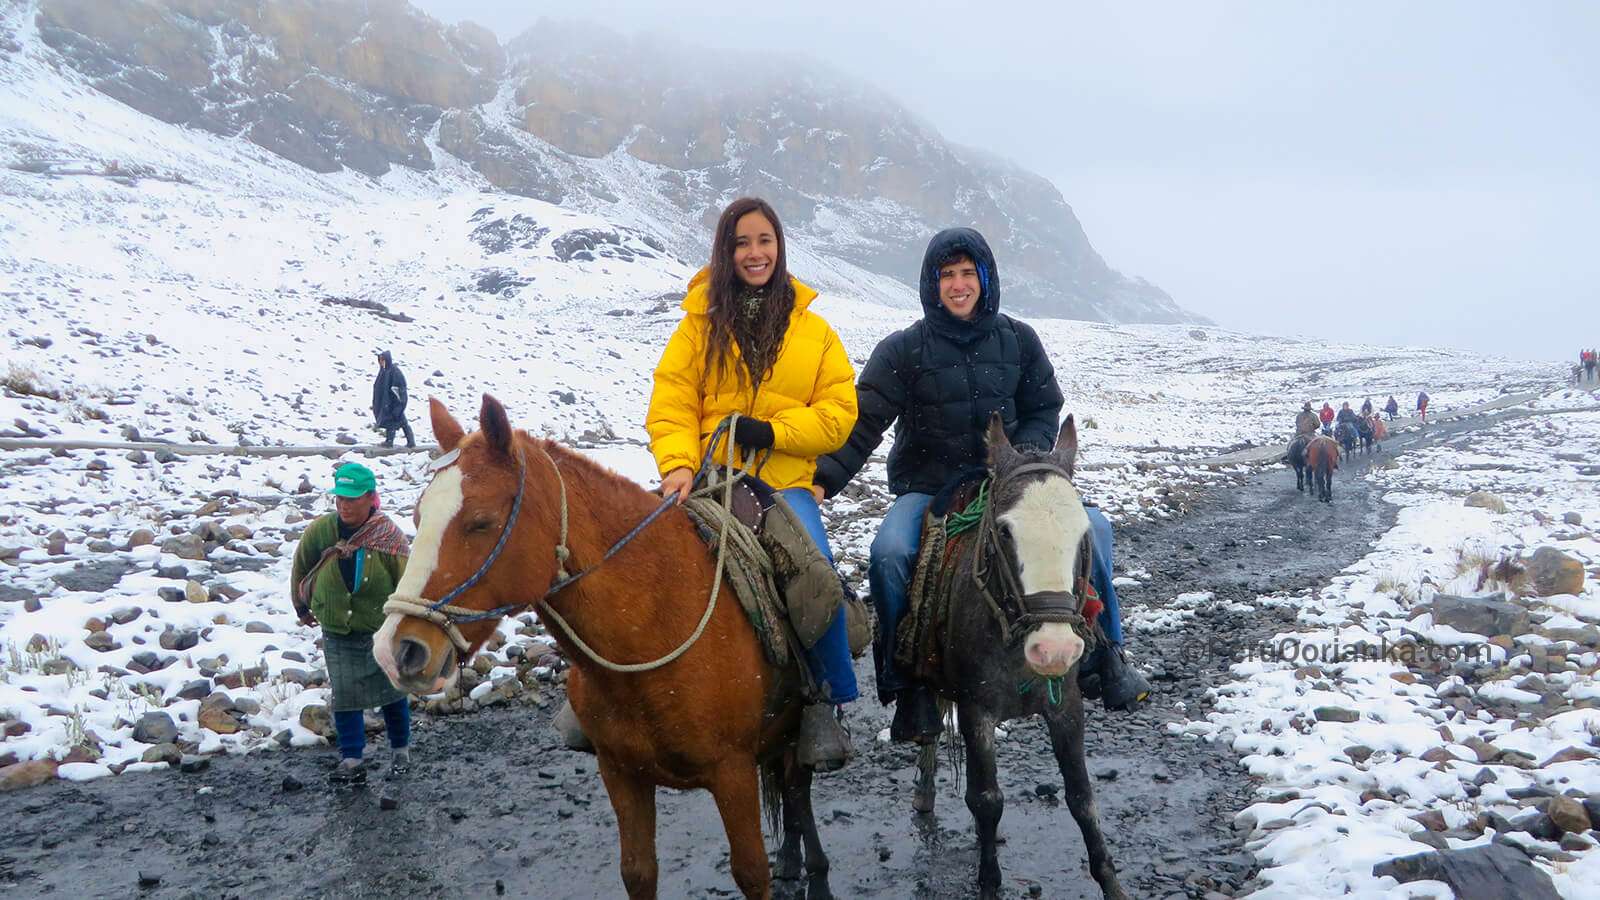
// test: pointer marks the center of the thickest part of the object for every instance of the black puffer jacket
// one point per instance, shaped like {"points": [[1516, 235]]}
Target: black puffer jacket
{"points": [[389, 395], [938, 380]]}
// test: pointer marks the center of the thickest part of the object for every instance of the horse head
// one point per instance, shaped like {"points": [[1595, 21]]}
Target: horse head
{"points": [[477, 555], [1043, 538]]}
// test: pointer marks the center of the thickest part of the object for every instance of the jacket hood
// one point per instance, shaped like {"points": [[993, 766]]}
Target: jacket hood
{"points": [[698, 299], [948, 243], [385, 358]]}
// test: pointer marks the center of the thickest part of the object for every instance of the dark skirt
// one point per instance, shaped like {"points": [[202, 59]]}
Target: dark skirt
{"points": [[358, 682]]}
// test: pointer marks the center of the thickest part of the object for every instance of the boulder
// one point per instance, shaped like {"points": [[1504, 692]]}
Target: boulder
{"points": [[1485, 500], [219, 717], [185, 546], [195, 592], [27, 774], [140, 537], [155, 727], [1572, 518], [1489, 616], [1487, 872], [316, 719], [167, 753], [1552, 572], [1568, 815]]}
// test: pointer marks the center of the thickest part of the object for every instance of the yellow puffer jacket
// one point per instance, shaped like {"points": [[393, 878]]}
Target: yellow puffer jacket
{"points": [[809, 399]]}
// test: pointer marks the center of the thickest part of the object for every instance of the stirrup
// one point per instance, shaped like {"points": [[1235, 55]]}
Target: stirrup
{"points": [[823, 744]]}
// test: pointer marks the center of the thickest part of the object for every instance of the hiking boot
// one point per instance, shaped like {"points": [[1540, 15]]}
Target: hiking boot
{"points": [[349, 771], [400, 763], [1120, 685], [572, 737], [916, 717], [824, 744]]}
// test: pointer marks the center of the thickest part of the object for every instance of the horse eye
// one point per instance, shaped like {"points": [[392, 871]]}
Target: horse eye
{"points": [[478, 526]]}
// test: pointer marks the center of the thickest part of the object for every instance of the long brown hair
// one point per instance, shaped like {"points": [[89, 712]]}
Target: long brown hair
{"points": [[759, 336]]}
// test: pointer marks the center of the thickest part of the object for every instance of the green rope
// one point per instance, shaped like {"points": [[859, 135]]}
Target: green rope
{"points": [[967, 519], [1052, 687]]}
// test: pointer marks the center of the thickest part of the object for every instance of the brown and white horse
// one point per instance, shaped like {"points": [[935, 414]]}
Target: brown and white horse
{"points": [[707, 719]]}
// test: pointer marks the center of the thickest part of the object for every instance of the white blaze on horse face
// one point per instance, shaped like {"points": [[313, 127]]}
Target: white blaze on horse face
{"points": [[1047, 526], [439, 504], [436, 509]]}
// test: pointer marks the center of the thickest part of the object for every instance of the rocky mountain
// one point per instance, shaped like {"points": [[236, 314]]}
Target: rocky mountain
{"points": [[637, 130]]}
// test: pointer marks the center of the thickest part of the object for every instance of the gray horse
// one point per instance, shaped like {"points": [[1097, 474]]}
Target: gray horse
{"points": [[1015, 634]]}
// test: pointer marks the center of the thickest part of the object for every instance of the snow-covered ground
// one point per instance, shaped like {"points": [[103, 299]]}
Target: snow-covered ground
{"points": [[1361, 756]]}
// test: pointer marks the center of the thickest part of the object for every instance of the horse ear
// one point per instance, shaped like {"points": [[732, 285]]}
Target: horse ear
{"points": [[1067, 444], [494, 424], [445, 427], [996, 438]]}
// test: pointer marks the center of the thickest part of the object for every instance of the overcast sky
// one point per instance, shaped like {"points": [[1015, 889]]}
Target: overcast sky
{"points": [[1423, 172]]}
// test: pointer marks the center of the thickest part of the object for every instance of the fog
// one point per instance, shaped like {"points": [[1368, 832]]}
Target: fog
{"points": [[1421, 173]]}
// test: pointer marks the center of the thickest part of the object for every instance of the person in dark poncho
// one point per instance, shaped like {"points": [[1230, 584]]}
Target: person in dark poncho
{"points": [[389, 401]]}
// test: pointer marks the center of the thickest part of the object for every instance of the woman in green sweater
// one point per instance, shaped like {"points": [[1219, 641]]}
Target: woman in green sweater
{"points": [[347, 565]]}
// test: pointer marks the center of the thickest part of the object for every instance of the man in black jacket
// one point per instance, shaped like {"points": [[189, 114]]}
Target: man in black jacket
{"points": [[938, 381], [389, 401]]}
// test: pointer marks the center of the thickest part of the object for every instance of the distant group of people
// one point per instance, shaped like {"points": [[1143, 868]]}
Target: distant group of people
{"points": [[1588, 360], [1326, 419]]}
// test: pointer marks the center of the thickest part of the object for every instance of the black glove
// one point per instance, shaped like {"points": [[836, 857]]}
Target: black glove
{"points": [[753, 434]]}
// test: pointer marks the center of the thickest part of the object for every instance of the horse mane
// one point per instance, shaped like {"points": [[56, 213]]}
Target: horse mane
{"points": [[573, 462]]}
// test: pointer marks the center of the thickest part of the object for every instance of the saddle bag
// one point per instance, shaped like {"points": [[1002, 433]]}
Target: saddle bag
{"points": [[811, 588]]}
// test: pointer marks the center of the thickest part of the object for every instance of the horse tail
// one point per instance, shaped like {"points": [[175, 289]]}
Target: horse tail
{"points": [[772, 793]]}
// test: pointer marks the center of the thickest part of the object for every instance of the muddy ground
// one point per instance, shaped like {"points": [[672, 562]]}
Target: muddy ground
{"points": [[495, 807]]}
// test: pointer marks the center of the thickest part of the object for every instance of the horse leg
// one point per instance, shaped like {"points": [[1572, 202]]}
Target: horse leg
{"points": [[927, 771], [984, 797], [1066, 737], [800, 825], [737, 791], [634, 801]]}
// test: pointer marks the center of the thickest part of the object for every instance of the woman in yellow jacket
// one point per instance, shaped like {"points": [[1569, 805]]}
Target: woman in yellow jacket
{"points": [[749, 344]]}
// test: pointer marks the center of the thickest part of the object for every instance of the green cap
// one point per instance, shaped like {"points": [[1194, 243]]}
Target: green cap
{"points": [[353, 480]]}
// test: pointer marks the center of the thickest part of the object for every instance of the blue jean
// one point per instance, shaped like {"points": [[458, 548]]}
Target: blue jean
{"points": [[829, 657], [352, 728], [894, 553]]}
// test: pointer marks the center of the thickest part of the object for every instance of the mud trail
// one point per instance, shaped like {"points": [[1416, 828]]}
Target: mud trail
{"points": [[495, 807]]}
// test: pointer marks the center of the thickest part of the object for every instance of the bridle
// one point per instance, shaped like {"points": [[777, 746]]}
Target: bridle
{"points": [[1018, 611], [448, 617]]}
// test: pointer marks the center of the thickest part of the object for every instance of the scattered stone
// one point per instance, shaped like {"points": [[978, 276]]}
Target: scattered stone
{"points": [[1485, 500], [199, 689], [1336, 714], [291, 784], [1570, 754], [1433, 820], [194, 763], [195, 592], [219, 718], [1572, 518], [316, 719], [149, 879], [1488, 616], [101, 641], [27, 774], [185, 546], [1551, 572], [179, 640], [243, 678], [1568, 815], [170, 594], [1487, 872], [258, 628], [155, 727], [139, 538], [166, 753], [56, 543]]}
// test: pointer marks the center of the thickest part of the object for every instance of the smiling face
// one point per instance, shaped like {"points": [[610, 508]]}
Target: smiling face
{"points": [[755, 249], [960, 288]]}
